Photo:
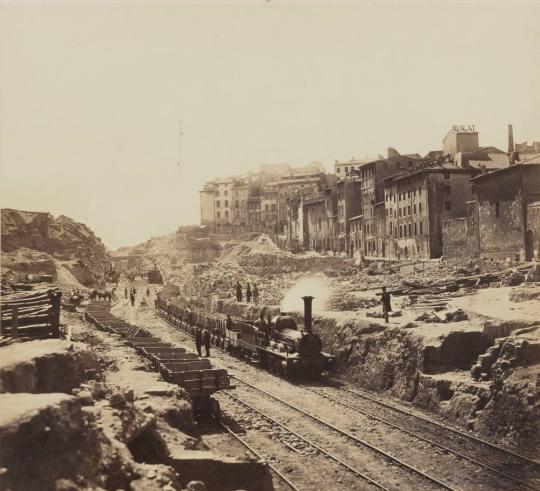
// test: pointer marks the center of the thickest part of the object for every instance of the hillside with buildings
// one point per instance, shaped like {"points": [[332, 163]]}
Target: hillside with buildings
{"points": [[464, 199]]}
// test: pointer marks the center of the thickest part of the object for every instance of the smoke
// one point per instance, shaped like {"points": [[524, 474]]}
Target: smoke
{"points": [[316, 285]]}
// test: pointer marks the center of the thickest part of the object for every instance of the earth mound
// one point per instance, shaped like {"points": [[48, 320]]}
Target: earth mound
{"points": [[36, 242]]}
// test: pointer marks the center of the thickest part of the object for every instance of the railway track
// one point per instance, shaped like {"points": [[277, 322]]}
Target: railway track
{"points": [[517, 456], [391, 458], [312, 444], [461, 455], [399, 426], [274, 469]]}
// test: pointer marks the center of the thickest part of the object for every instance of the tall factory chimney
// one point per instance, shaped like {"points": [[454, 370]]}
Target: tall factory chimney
{"points": [[308, 319], [510, 139]]}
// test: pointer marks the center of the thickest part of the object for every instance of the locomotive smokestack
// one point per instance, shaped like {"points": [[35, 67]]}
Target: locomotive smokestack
{"points": [[308, 320]]}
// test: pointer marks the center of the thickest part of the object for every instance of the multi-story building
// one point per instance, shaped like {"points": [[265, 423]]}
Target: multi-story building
{"points": [[417, 201], [257, 202], [349, 204], [508, 211]]}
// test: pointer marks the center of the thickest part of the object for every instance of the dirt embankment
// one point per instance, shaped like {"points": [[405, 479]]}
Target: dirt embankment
{"points": [[34, 242], [463, 371]]}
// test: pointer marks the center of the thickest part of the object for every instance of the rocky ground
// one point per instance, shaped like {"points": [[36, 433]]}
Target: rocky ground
{"points": [[116, 425], [35, 243], [305, 464], [462, 341]]}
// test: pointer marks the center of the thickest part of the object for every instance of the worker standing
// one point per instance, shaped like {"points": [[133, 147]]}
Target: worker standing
{"points": [[198, 341], [238, 291], [255, 294], [385, 299], [132, 299], [125, 292], [206, 342], [248, 293]]}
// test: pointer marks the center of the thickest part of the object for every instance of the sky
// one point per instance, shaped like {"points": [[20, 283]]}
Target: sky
{"points": [[91, 96]]}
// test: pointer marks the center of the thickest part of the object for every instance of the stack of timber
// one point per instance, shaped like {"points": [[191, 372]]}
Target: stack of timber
{"points": [[33, 314]]}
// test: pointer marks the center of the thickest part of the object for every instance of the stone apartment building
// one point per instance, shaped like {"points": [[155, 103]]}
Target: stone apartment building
{"points": [[417, 202], [257, 202]]}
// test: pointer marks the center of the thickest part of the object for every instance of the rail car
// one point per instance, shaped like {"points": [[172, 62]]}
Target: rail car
{"points": [[176, 365], [277, 344]]}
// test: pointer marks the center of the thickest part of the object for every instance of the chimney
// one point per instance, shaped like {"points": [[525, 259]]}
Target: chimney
{"points": [[308, 320], [510, 139]]}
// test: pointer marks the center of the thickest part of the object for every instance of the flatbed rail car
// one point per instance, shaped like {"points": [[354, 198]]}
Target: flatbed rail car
{"points": [[277, 344], [176, 365]]}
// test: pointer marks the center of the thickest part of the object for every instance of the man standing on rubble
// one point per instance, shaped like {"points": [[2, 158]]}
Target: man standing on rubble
{"points": [[255, 294], [198, 340], [132, 299], [238, 291], [385, 299], [248, 293]]}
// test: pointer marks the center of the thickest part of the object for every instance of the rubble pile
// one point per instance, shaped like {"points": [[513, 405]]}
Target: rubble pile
{"points": [[34, 242]]}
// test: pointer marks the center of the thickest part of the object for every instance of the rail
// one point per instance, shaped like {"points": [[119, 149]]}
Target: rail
{"points": [[423, 438], [354, 438], [309, 442]]}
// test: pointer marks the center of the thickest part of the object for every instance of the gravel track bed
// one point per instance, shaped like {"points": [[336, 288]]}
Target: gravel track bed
{"points": [[436, 462]]}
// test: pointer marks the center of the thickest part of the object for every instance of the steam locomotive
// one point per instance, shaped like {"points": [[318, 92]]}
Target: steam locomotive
{"points": [[276, 344]]}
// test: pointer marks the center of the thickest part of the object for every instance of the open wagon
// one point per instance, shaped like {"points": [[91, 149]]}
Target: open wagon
{"points": [[200, 381]]}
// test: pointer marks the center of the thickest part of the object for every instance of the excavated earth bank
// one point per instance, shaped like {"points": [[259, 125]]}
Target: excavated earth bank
{"points": [[483, 376], [93, 415]]}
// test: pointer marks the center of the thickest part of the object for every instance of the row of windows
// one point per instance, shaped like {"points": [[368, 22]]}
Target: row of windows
{"points": [[407, 230]]}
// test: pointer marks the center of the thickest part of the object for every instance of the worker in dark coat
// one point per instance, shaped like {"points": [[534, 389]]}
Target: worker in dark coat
{"points": [[385, 299], [125, 292], [132, 299], [198, 341], [238, 291], [248, 293], [206, 342], [255, 294]]}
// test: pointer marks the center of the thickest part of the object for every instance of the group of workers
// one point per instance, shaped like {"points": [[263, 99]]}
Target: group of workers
{"points": [[250, 293]]}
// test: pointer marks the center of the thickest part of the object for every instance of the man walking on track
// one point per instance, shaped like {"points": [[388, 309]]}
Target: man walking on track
{"points": [[238, 292]]}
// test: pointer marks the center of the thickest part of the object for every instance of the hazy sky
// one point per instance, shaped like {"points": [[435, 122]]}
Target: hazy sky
{"points": [[91, 96]]}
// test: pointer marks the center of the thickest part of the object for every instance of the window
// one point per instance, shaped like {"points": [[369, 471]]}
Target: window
{"points": [[226, 193], [420, 207], [410, 229], [408, 194], [400, 231], [448, 205], [346, 169], [218, 203], [421, 231], [414, 209], [338, 170], [236, 204], [218, 215], [497, 209], [226, 214], [447, 175], [447, 190], [415, 230], [226, 203], [408, 210]]}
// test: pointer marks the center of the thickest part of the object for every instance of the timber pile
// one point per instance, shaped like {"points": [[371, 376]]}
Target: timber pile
{"points": [[30, 314]]}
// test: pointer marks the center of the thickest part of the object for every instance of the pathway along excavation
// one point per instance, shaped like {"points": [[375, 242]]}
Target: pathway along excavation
{"points": [[380, 449]]}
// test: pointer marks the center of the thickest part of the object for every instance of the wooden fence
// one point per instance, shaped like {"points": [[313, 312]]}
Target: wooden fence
{"points": [[31, 314]]}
